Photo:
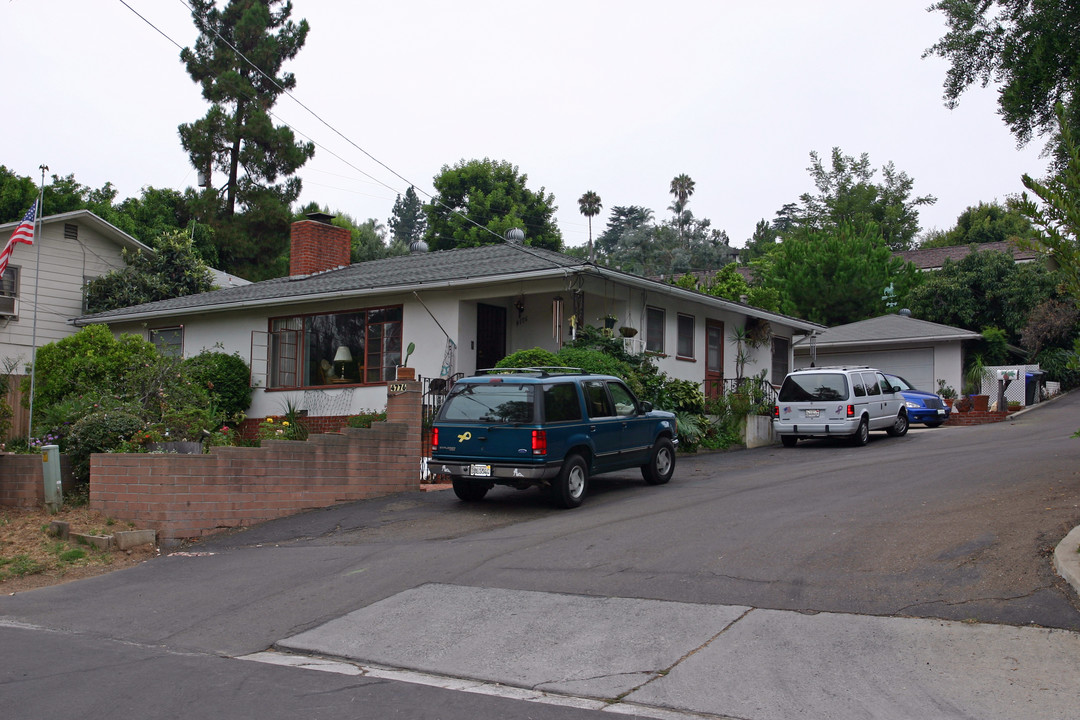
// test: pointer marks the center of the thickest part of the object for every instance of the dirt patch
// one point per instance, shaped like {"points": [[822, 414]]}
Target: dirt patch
{"points": [[32, 558]]}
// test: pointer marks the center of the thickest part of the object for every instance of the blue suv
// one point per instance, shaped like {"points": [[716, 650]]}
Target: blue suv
{"points": [[547, 427]]}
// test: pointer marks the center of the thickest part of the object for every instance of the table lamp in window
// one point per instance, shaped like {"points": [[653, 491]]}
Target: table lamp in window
{"points": [[341, 357]]}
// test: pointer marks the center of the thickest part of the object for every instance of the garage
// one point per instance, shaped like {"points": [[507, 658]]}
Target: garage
{"points": [[919, 351], [916, 365]]}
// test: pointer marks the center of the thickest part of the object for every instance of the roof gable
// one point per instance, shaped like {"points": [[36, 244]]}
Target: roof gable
{"points": [[891, 328]]}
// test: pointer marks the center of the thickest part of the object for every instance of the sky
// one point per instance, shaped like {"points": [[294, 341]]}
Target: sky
{"points": [[617, 97]]}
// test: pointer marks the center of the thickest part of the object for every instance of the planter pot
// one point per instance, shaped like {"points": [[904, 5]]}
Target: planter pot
{"points": [[980, 403], [949, 402], [627, 331], [609, 322], [406, 373]]}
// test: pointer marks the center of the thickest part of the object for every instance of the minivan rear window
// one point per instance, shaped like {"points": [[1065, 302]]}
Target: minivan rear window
{"points": [[490, 403], [806, 387]]}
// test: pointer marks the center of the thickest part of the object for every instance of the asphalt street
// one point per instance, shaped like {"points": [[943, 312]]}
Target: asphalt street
{"points": [[908, 578]]}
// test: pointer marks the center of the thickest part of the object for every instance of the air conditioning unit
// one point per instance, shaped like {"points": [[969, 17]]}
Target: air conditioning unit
{"points": [[9, 306]]}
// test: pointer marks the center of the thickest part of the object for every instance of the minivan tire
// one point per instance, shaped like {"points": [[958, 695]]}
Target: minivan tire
{"points": [[900, 427], [661, 462], [569, 487], [862, 434]]}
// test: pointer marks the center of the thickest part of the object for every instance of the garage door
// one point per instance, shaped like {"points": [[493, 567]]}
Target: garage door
{"points": [[916, 365]]}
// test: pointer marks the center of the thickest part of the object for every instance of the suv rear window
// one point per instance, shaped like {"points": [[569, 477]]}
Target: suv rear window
{"points": [[806, 387], [492, 403]]}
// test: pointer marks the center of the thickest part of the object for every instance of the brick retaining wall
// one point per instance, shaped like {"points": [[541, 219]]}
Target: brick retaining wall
{"points": [[976, 417], [190, 496], [22, 480]]}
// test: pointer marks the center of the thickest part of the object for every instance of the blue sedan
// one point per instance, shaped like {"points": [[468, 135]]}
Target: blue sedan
{"points": [[922, 406]]}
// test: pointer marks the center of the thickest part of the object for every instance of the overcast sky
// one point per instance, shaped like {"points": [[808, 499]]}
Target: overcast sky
{"points": [[612, 96]]}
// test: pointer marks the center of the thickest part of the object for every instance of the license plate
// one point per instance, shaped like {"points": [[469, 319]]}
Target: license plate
{"points": [[480, 470], [812, 413], [941, 411]]}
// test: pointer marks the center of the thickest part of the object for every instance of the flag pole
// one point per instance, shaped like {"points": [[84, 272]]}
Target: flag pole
{"points": [[37, 274]]}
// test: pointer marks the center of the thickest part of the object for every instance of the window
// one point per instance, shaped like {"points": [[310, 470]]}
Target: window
{"points": [[779, 359], [9, 292], [685, 340], [168, 341], [354, 347], [596, 398], [625, 406], [870, 380], [561, 403], [654, 330]]}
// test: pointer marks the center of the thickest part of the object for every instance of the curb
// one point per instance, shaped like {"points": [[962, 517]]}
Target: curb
{"points": [[1067, 558]]}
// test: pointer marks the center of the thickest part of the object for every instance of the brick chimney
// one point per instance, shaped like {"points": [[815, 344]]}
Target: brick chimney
{"points": [[316, 245]]}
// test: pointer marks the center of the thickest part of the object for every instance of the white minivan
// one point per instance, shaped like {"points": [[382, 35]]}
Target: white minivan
{"points": [[838, 401]]}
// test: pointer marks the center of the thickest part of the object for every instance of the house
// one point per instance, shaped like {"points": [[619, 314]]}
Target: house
{"points": [[329, 337], [919, 351], [927, 259]]}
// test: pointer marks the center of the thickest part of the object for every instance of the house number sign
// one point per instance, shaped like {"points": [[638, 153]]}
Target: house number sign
{"points": [[397, 387]]}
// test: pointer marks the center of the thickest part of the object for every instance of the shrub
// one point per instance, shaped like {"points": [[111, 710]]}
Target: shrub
{"points": [[364, 418], [534, 357], [226, 378], [106, 429]]}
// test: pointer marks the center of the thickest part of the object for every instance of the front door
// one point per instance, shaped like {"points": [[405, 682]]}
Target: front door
{"points": [[490, 335], [714, 358]]}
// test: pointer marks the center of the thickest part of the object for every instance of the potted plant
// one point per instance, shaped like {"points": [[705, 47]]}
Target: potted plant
{"points": [[609, 321], [627, 331], [948, 395], [976, 372], [404, 372]]}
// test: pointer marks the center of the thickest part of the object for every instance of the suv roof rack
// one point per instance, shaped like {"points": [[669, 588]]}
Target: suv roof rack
{"points": [[543, 370]]}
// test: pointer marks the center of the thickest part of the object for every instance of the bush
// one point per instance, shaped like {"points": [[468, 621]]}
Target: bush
{"points": [[106, 429], [534, 357], [364, 418], [226, 378]]}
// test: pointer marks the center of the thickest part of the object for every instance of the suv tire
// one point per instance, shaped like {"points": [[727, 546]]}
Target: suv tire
{"points": [[469, 491], [568, 489], [661, 463]]}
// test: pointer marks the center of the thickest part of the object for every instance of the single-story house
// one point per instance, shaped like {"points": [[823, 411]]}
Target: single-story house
{"points": [[330, 336], [921, 352]]}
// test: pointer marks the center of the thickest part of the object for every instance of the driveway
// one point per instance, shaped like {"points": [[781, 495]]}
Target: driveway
{"points": [[908, 578]]}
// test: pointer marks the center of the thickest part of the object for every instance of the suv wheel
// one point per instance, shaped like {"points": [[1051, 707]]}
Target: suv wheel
{"points": [[900, 427], [470, 491], [862, 435], [661, 463], [568, 489]]}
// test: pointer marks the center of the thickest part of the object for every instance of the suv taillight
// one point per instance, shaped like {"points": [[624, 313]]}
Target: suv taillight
{"points": [[851, 411], [539, 442], [434, 437], [776, 411]]}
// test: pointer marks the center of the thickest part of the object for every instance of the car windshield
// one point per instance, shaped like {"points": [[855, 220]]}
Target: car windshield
{"points": [[897, 380], [489, 402], [806, 387]]}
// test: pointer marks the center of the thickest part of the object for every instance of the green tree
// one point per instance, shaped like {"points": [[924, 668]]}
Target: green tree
{"points": [[477, 201], [237, 60], [761, 242], [984, 223], [1031, 50], [985, 289], [622, 219], [835, 277], [847, 195], [589, 204], [1058, 219], [173, 270], [682, 187], [407, 221]]}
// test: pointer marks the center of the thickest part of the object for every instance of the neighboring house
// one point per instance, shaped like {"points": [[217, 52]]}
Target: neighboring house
{"points": [[927, 259], [919, 351], [329, 337], [74, 248]]}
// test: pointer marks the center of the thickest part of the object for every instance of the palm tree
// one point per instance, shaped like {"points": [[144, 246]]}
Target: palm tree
{"points": [[682, 187], [590, 208]]}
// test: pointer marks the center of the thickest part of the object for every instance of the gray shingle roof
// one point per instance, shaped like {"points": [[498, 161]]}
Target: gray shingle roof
{"points": [[931, 258], [890, 329], [443, 266]]}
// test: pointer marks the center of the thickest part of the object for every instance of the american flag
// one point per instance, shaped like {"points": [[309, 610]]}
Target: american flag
{"points": [[23, 234]]}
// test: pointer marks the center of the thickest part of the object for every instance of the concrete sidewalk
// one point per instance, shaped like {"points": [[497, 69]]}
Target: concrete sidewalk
{"points": [[666, 659]]}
